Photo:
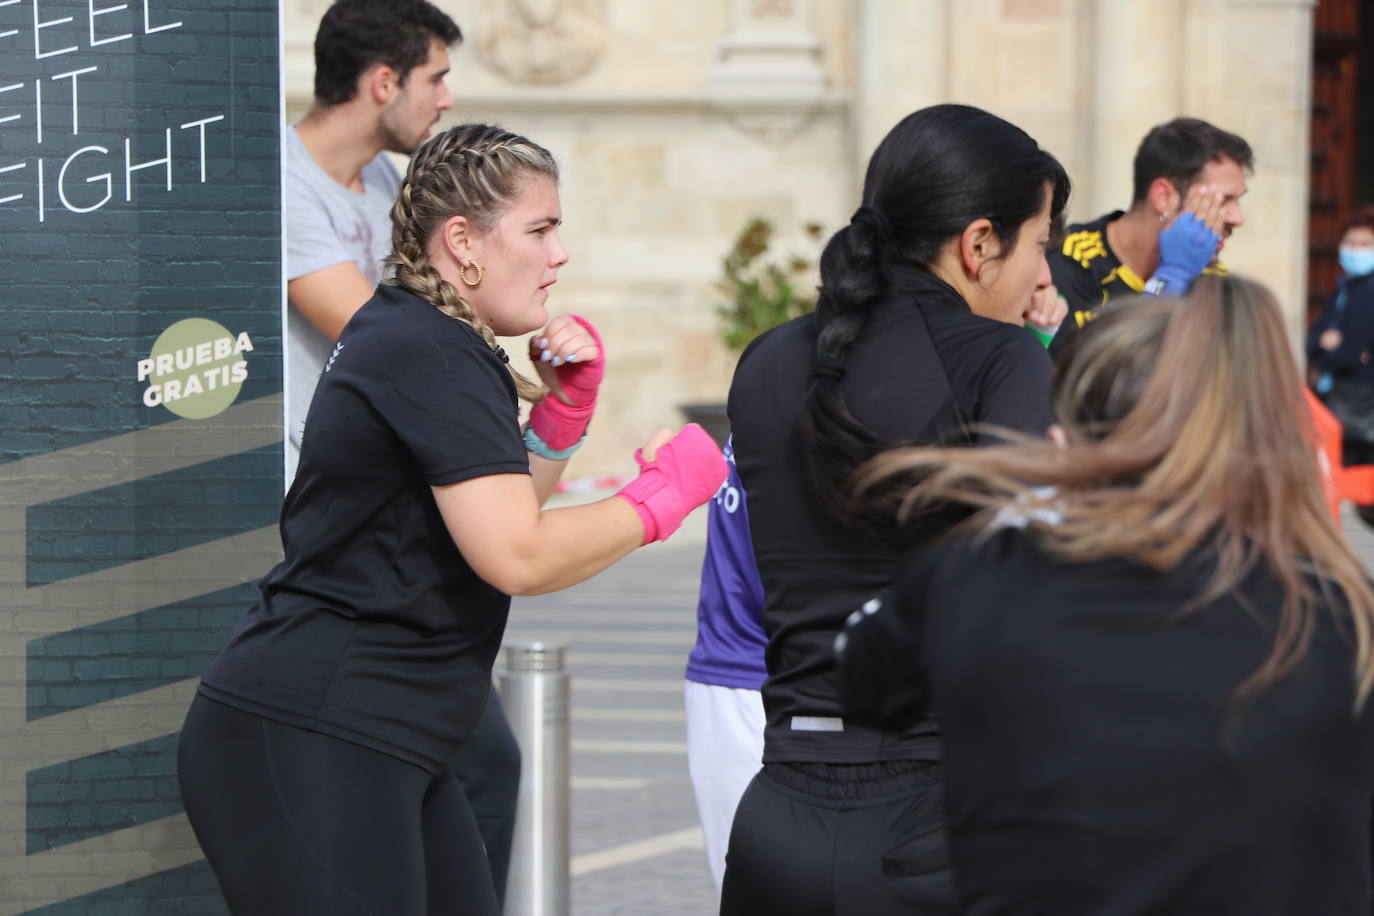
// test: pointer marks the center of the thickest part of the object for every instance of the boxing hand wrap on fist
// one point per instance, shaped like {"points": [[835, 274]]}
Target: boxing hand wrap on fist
{"points": [[557, 424], [684, 474], [1185, 250]]}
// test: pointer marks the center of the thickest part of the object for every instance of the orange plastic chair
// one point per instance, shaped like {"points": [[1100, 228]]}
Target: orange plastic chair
{"points": [[1354, 483]]}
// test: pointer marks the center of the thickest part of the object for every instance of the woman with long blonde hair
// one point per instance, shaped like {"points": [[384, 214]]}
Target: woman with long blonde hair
{"points": [[1151, 653]]}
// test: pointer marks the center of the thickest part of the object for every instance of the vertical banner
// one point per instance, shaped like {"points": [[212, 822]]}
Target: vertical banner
{"points": [[140, 423]]}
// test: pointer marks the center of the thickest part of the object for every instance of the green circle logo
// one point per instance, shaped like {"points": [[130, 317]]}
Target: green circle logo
{"points": [[196, 368]]}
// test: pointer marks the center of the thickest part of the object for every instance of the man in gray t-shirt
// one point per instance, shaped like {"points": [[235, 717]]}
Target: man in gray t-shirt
{"points": [[374, 93], [328, 227]]}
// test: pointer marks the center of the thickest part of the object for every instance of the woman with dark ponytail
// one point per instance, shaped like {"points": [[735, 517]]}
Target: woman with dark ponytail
{"points": [[915, 339], [313, 759]]}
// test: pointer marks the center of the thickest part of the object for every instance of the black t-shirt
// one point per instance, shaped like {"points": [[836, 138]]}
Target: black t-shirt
{"points": [[374, 628], [1094, 761], [924, 370], [1089, 276]]}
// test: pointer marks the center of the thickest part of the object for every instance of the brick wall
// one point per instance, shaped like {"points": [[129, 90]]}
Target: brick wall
{"points": [[129, 538]]}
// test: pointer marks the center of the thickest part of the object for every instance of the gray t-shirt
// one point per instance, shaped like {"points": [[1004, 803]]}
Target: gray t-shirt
{"points": [[326, 224]]}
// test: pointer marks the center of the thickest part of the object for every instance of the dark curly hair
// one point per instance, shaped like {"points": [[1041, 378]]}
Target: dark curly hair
{"points": [[1180, 149], [355, 34]]}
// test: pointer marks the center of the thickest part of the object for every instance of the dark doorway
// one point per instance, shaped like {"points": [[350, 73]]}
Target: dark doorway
{"points": [[1342, 171]]}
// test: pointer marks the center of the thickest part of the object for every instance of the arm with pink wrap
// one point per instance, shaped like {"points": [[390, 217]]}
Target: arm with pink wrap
{"points": [[683, 473], [558, 423]]}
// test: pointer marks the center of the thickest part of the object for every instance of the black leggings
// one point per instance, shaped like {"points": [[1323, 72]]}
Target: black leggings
{"points": [[829, 840], [296, 822], [488, 767]]}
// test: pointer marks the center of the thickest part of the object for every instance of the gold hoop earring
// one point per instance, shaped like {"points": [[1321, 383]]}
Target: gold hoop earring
{"points": [[463, 274]]}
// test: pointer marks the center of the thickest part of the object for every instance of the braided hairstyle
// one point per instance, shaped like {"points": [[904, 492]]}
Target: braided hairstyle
{"points": [[475, 171], [938, 170]]}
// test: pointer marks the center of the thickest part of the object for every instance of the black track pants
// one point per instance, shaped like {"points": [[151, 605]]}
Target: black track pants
{"points": [[295, 822], [805, 846]]}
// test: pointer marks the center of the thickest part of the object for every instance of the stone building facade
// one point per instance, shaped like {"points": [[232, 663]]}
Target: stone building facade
{"points": [[676, 122]]}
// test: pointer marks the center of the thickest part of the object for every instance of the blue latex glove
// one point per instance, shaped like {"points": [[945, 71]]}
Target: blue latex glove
{"points": [[1185, 250]]}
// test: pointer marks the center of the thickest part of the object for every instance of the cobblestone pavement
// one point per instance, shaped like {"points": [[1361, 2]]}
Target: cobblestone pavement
{"points": [[636, 843]]}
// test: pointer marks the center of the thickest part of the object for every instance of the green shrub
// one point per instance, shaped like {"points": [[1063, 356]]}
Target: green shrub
{"points": [[761, 291]]}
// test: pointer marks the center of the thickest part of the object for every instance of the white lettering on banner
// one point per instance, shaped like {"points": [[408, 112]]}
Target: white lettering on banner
{"points": [[105, 22], [62, 182], [38, 26], [130, 168], [195, 368], [166, 161], [8, 32], [201, 124], [93, 12], [148, 28], [190, 357], [12, 168], [209, 380], [76, 118], [10, 88]]}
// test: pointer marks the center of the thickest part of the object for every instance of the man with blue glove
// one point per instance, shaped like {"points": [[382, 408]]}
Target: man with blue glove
{"points": [[1189, 177]]}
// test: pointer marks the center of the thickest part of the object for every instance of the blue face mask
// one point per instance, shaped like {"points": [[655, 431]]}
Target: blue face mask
{"points": [[1356, 262]]}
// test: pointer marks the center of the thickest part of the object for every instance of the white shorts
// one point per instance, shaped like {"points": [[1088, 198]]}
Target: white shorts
{"points": [[724, 751]]}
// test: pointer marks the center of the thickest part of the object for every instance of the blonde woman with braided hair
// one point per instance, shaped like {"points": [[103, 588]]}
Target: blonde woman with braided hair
{"points": [[1152, 652], [313, 759]]}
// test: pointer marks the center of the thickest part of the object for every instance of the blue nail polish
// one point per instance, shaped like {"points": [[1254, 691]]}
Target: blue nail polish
{"points": [[573, 358], [545, 356], [558, 360], [542, 343]]}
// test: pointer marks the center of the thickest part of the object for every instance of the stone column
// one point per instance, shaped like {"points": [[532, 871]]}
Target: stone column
{"points": [[769, 49], [1261, 88], [901, 64], [1136, 65]]}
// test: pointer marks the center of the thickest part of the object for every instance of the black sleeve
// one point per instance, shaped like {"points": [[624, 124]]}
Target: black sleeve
{"points": [[1075, 283], [1082, 293], [1014, 389], [881, 682], [456, 412], [1356, 325]]}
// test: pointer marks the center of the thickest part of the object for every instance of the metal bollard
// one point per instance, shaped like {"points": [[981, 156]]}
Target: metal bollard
{"points": [[534, 690]]}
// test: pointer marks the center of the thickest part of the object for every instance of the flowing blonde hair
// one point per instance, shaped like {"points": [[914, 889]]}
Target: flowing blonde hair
{"points": [[475, 171], [1187, 434]]}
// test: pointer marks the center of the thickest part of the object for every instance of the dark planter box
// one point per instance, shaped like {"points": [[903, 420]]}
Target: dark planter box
{"points": [[710, 417]]}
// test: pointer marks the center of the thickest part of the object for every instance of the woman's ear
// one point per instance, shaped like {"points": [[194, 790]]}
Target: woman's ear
{"points": [[1057, 436], [977, 245], [456, 238]]}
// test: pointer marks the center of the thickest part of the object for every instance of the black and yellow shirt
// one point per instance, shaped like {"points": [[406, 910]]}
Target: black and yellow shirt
{"points": [[1089, 276]]}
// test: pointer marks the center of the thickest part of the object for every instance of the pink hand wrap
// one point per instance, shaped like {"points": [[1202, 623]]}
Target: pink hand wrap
{"points": [[560, 425], [684, 474]]}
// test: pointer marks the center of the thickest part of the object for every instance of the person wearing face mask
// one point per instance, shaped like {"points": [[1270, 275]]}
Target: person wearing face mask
{"points": [[1341, 341], [917, 337], [1188, 180]]}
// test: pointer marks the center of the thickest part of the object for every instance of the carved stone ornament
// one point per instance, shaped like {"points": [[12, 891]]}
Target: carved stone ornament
{"points": [[541, 42], [772, 9]]}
